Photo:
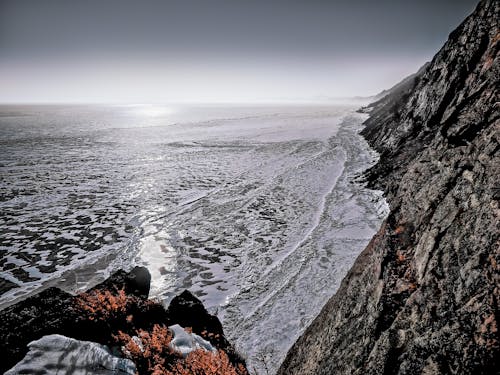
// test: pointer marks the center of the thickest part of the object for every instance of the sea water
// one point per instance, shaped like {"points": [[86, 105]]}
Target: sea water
{"points": [[255, 209]]}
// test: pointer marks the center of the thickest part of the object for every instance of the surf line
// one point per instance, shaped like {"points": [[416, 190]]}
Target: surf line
{"points": [[316, 221]]}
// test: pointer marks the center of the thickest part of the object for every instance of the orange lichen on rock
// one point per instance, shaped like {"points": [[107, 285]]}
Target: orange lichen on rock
{"points": [[148, 350], [400, 229]]}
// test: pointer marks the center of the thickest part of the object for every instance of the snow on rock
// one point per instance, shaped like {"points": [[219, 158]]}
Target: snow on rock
{"points": [[185, 342], [57, 354]]}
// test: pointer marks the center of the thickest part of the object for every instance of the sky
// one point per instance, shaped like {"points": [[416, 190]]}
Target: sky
{"points": [[162, 51]]}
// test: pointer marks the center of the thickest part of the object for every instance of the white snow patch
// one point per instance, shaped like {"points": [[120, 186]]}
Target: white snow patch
{"points": [[185, 342], [57, 354]]}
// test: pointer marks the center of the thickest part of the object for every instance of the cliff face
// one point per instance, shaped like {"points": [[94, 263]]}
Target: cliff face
{"points": [[423, 297]]}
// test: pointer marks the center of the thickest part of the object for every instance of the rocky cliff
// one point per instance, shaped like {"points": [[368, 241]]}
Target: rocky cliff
{"points": [[423, 297]]}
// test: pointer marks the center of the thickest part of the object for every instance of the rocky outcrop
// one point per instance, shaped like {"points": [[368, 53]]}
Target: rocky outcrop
{"points": [[423, 297], [55, 312]]}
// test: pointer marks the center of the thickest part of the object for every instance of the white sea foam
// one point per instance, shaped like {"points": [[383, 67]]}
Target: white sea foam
{"points": [[252, 209]]}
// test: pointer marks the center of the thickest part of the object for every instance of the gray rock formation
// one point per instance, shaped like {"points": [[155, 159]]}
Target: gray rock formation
{"points": [[423, 297]]}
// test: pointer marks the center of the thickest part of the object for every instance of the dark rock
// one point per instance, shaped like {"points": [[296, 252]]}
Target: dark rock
{"points": [[188, 311], [136, 282], [6, 285], [422, 298], [48, 312]]}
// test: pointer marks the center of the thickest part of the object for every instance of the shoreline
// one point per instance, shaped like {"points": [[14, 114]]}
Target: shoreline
{"points": [[338, 224]]}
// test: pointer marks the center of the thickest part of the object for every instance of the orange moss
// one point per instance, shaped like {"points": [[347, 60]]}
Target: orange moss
{"points": [[104, 305], [202, 362], [148, 350], [151, 353], [101, 305]]}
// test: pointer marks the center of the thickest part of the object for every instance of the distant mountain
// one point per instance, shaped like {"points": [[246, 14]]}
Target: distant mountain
{"points": [[423, 297]]}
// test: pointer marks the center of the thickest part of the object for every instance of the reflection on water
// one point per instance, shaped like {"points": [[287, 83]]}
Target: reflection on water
{"points": [[252, 209]]}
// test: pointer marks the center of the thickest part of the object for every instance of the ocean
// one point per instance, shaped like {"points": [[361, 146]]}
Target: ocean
{"points": [[258, 210]]}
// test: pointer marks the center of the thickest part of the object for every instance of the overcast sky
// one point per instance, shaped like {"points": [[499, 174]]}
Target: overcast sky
{"points": [[143, 51]]}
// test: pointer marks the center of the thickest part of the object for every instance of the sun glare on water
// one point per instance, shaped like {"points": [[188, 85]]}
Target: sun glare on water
{"points": [[152, 110]]}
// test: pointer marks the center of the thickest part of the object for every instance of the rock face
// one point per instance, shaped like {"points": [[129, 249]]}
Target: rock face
{"points": [[423, 297]]}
